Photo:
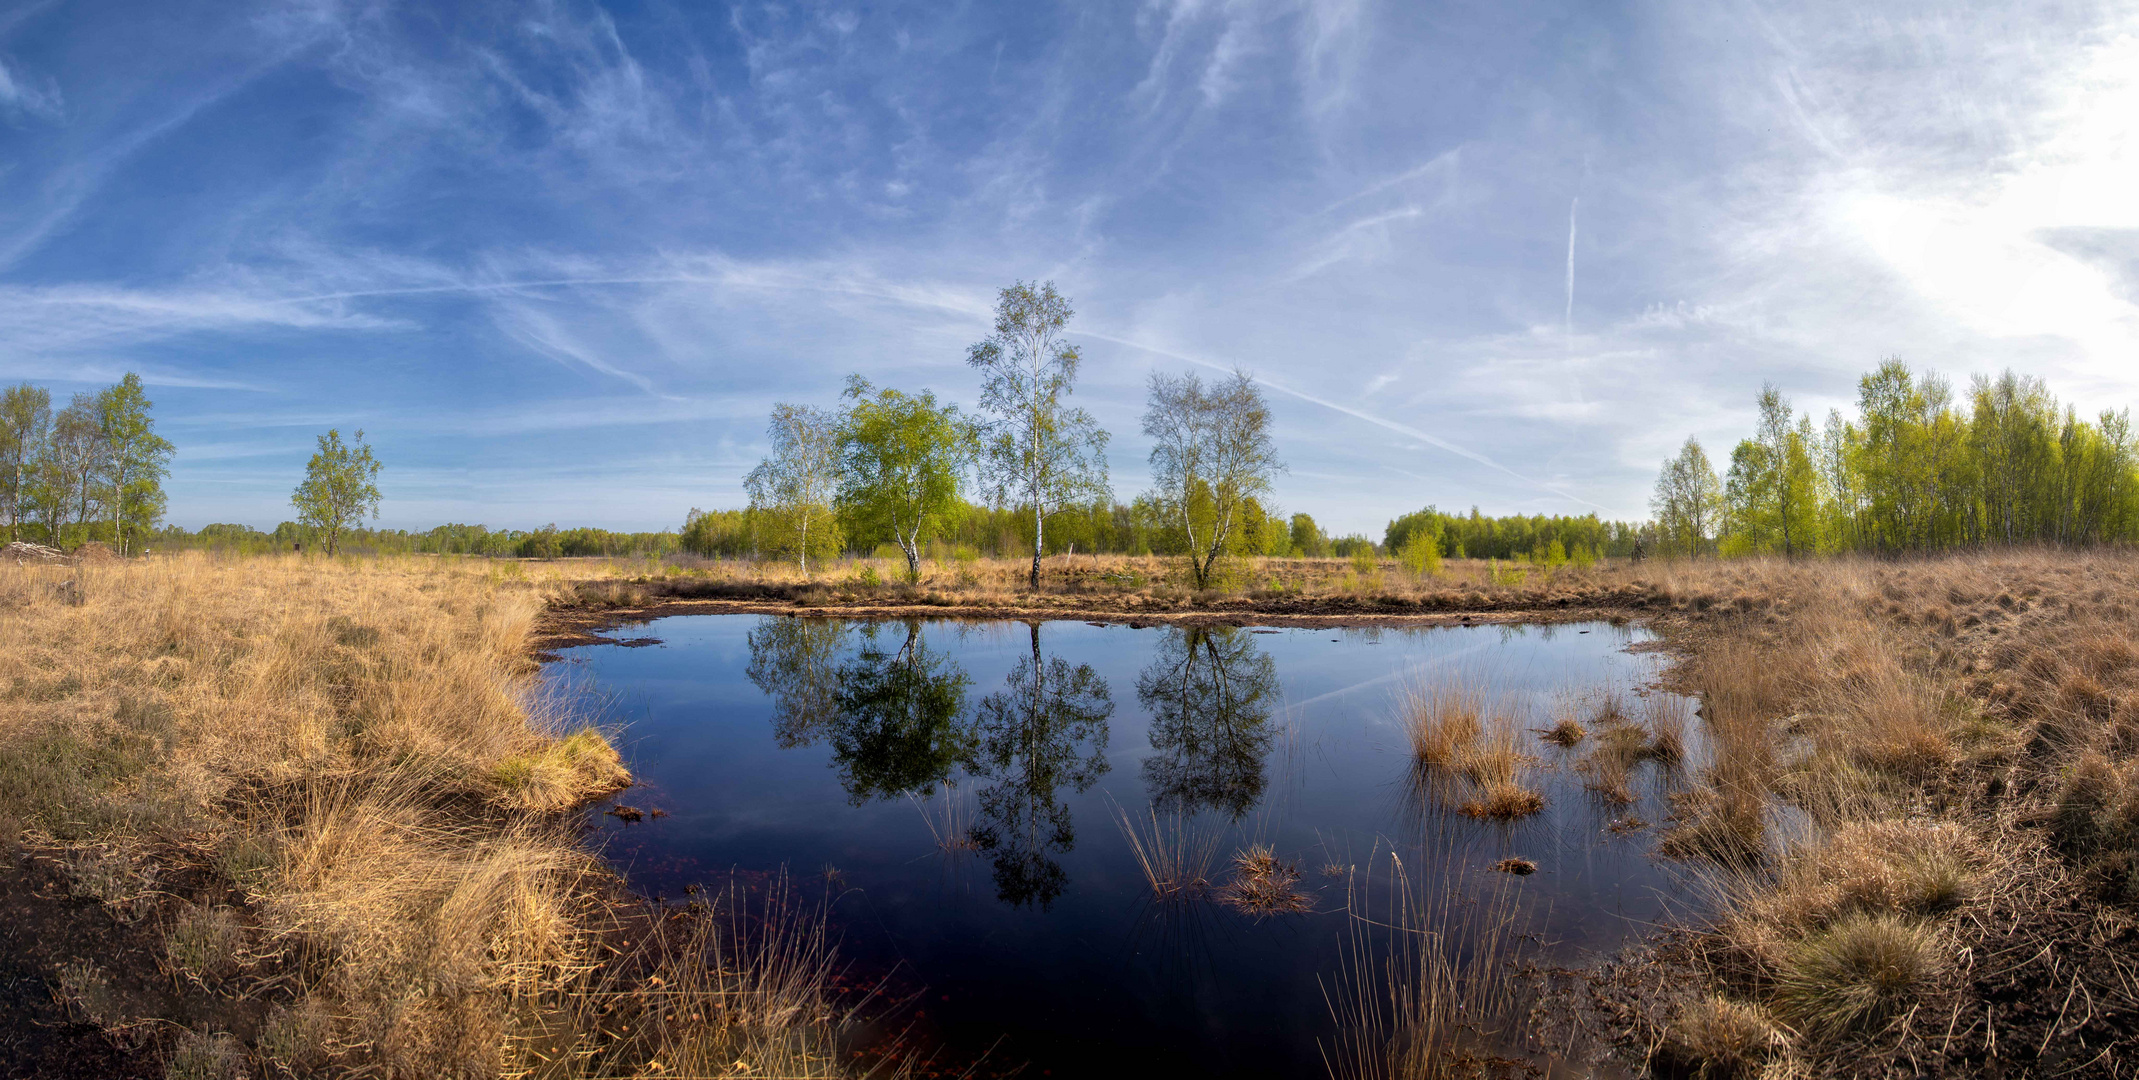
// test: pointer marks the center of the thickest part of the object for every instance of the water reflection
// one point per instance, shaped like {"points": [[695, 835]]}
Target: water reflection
{"points": [[897, 726], [795, 662], [1046, 728], [1210, 692]]}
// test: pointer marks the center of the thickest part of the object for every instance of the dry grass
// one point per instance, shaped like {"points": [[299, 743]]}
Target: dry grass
{"points": [[1427, 990], [1858, 972], [1467, 756], [1175, 852], [355, 751], [1443, 724], [1716, 1037], [1919, 795], [1567, 733], [1263, 885]]}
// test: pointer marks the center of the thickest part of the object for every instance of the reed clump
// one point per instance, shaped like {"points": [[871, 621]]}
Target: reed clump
{"points": [[1428, 988], [1469, 757], [1264, 884], [1175, 853]]}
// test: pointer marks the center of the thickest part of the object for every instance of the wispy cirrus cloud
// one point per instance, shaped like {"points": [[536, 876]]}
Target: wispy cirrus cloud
{"points": [[566, 237]]}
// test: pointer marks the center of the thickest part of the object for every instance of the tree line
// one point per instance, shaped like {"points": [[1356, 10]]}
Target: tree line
{"points": [[893, 467], [92, 471], [1918, 469]]}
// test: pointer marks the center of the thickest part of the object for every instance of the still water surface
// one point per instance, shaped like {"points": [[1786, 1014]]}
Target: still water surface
{"points": [[849, 752]]}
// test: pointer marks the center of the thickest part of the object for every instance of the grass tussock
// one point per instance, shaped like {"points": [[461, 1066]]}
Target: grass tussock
{"points": [[1565, 733], [1263, 884], [1176, 852], [1858, 972], [1428, 988], [331, 790], [1716, 1037], [1470, 757]]}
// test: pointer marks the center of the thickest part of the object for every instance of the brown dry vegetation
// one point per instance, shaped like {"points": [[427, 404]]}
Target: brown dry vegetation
{"points": [[281, 816], [313, 801], [1920, 816]]}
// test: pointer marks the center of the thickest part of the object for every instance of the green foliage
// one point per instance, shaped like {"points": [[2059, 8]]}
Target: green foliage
{"points": [[1363, 557], [1917, 472], [1476, 536], [792, 490], [1421, 552], [340, 487], [723, 534], [1688, 502], [134, 460], [1039, 453], [1308, 540], [1211, 457], [901, 458]]}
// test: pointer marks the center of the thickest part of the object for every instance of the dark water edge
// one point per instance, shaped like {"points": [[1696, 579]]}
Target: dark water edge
{"points": [[845, 754]]}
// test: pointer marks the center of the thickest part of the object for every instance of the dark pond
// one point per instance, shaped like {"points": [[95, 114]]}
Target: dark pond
{"points": [[850, 753]]}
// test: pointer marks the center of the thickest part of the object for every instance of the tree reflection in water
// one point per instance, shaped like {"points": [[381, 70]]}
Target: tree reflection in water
{"points": [[1047, 727], [1210, 692], [897, 727], [897, 724], [795, 661]]}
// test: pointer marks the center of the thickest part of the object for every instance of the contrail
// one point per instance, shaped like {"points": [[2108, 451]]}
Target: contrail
{"points": [[1401, 429], [1571, 268]]}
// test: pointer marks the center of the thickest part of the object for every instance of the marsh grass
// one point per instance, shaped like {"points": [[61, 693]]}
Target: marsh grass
{"points": [[1467, 756], [1426, 989], [1859, 971], [734, 985], [950, 818], [1263, 884], [355, 747], [1176, 852]]}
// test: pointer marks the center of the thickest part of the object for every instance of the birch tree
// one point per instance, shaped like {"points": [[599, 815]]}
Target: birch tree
{"points": [[791, 491], [25, 424], [1041, 454], [134, 459], [74, 456], [340, 489], [1688, 499], [1211, 456], [902, 457]]}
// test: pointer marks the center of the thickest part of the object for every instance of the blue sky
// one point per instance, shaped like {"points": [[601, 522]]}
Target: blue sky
{"points": [[559, 259]]}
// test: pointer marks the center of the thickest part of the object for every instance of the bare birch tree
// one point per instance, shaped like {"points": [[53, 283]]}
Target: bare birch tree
{"points": [[1211, 455], [793, 489], [1040, 453]]}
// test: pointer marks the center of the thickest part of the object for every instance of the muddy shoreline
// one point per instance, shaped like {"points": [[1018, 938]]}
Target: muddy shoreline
{"points": [[568, 624]]}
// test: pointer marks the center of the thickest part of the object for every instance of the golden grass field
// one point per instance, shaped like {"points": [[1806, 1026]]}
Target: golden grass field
{"points": [[306, 816]]}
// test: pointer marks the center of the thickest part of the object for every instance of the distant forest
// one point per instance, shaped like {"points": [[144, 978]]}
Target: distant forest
{"points": [[975, 531], [1917, 469]]}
